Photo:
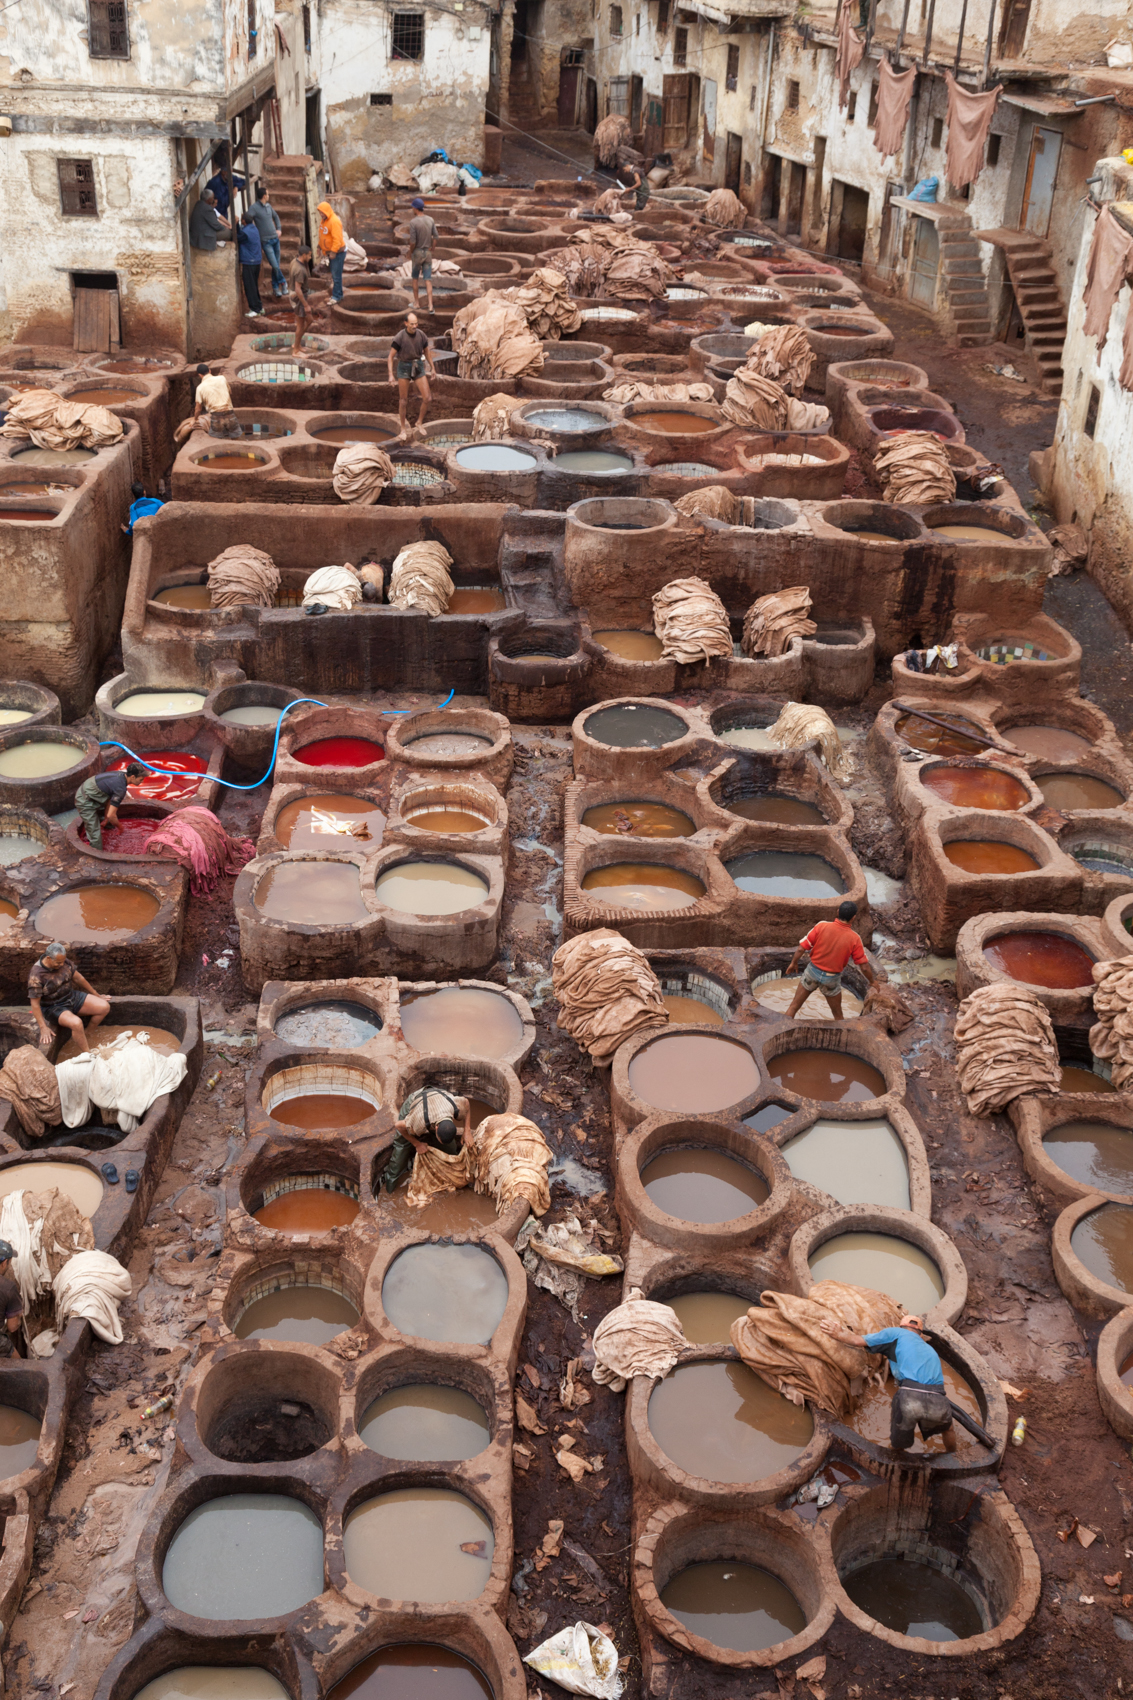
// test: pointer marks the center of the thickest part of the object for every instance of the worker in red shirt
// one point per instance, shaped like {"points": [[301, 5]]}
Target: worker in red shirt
{"points": [[831, 945]]}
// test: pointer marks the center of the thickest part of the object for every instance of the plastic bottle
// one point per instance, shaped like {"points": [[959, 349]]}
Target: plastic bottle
{"points": [[1019, 1432], [163, 1404]]}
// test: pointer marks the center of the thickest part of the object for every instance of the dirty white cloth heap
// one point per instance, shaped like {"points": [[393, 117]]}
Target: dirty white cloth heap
{"points": [[639, 1337], [691, 621], [92, 1284], [339, 588], [420, 578], [606, 991], [123, 1078]]}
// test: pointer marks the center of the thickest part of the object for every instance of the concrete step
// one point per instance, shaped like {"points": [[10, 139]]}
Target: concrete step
{"points": [[959, 245], [964, 267], [965, 297]]}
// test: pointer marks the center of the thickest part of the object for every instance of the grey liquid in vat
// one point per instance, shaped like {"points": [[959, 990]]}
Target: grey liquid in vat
{"points": [[245, 1555], [445, 1292]]}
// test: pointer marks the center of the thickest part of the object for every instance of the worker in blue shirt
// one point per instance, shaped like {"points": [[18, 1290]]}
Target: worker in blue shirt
{"points": [[141, 506], [219, 186], [251, 259], [920, 1400]]}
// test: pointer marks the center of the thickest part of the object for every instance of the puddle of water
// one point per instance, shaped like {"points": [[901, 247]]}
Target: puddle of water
{"points": [[880, 888]]}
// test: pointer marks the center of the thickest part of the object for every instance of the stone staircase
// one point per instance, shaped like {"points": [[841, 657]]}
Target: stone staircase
{"points": [[962, 279], [285, 176], [1040, 303]]}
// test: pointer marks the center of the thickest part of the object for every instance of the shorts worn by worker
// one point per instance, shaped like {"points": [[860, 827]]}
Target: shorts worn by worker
{"points": [[407, 369], [225, 425], [421, 266], [917, 1405], [72, 1001], [818, 980]]}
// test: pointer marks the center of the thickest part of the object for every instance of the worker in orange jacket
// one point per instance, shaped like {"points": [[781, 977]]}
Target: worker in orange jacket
{"points": [[332, 245]]}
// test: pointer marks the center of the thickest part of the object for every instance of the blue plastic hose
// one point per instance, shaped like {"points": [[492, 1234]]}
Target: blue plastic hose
{"points": [[163, 773]]}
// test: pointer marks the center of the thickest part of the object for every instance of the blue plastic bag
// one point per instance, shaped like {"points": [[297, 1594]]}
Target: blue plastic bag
{"points": [[926, 189]]}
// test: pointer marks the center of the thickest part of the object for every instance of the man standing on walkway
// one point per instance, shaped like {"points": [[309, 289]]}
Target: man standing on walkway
{"points": [[422, 236], [332, 246], [269, 227], [832, 945], [409, 349], [299, 281], [251, 259]]}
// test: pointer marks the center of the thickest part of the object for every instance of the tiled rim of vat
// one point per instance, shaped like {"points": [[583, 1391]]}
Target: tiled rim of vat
{"points": [[1115, 1346], [663, 789], [1061, 649], [847, 1039], [513, 1058], [974, 969], [913, 799], [630, 1111], [26, 821], [584, 908], [245, 1275], [270, 1162], [1035, 1119], [1116, 938], [1008, 1529], [896, 1114], [665, 1131], [652, 1467], [896, 1224], [471, 1630], [496, 756], [771, 965], [235, 1366], [774, 1540], [1086, 1291], [504, 1344], [705, 975], [595, 760], [790, 772], [485, 1078], [323, 1075]]}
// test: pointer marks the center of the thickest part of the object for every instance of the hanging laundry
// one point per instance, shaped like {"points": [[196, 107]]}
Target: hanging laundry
{"points": [[969, 120], [1109, 264], [894, 93], [849, 53]]}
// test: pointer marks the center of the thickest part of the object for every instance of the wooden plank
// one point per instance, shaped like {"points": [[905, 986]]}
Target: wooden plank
{"points": [[92, 321]]}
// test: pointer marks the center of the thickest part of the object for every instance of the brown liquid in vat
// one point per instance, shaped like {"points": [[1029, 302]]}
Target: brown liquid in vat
{"points": [[308, 1210], [329, 822], [708, 1317], [870, 1417], [37, 516], [734, 1605], [693, 1071], [312, 893], [97, 914], [194, 596], [644, 885], [411, 1671], [449, 1213], [872, 536], [19, 1440], [426, 1423], [697, 1184], [1084, 1080], [923, 735], [884, 1263], [1055, 742], [1103, 1241], [783, 811], [831, 1076], [476, 600], [446, 820], [675, 424], [8, 915], [104, 398], [430, 888], [1093, 1153], [721, 1422], [245, 1555], [230, 462], [315, 1110], [639, 820], [971, 533], [419, 1543], [691, 1010], [631, 645], [311, 1314], [779, 995], [461, 1021], [986, 856], [1053, 960], [1078, 791], [975, 787]]}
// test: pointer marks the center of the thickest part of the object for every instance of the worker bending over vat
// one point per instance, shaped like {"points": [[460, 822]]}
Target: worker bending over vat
{"points": [[98, 799], [428, 1121], [920, 1400]]}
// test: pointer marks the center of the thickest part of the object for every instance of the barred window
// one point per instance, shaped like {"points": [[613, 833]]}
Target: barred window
{"points": [[76, 188], [792, 95], [616, 27], [680, 47], [662, 16], [732, 78], [408, 35], [107, 35]]}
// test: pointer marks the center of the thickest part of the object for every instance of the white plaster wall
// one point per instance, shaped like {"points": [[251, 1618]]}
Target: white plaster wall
{"points": [[173, 46], [135, 235]]}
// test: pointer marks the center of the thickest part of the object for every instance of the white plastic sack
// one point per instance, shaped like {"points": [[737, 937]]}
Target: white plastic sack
{"points": [[580, 1659]]}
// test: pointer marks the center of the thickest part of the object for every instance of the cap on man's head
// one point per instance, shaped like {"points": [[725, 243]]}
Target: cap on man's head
{"points": [[847, 910], [418, 203], [6, 1252]]}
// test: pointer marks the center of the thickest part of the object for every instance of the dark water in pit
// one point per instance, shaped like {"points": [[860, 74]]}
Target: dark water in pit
{"points": [[311, 1314], [425, 1422], [721, 1422], [1053, 960], [682, 1009], [1083, 1080], [476, 599], [675, 424], [461, 1021], [1057, 743], [914, 1599], [641, 820], [355, 434], [105, 398], [1103, 1241], [786, 873], [19, 1440], [697, 1184], [35, 516], [693, 1072], [830, 1076], [453, 1215], [596, 462], [771, 1115], [734, 1605], [934, 740], [413, 1671], [445, 1292], [634, 726], [333, 1025], [778, 808], [708, 1317], [311, 894], [1095, 1153], [245, 1555]]}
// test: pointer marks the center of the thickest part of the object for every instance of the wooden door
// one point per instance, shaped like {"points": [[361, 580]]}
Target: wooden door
{"points": [[1013, 31], [1042, 170], [926, 262], [635, 104], [568, 95], [674, 96], [709, 136], [733, 162], [654, 127]]}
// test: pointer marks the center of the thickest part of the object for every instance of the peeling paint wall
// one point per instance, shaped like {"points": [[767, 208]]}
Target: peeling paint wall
{"points": [[436, 102], [553, 26], [1090, 477], [172, 47]]}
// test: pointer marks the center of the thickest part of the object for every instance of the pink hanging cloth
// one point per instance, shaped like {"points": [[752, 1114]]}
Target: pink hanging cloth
{"points": [[1109, 264], [969, 120], [894, 93], [849, 53]]}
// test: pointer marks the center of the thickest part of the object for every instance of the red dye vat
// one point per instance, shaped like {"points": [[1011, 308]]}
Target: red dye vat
{"points": [[340, 752], [128, 838], [1041, 959], [154, 788]]}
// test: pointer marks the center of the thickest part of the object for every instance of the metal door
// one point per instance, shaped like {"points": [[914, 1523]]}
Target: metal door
{"points": [[1042, 169], [926, 262]]}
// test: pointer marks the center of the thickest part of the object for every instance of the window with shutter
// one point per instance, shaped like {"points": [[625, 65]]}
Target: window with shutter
{"points": [[76, 188], [732, 77], [107, 34]]}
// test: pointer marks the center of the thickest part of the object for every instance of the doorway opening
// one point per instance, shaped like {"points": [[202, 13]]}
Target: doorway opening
{"points": [[853, 218], [733, 164], [796, 194], [772, 187], [315, 124]]}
